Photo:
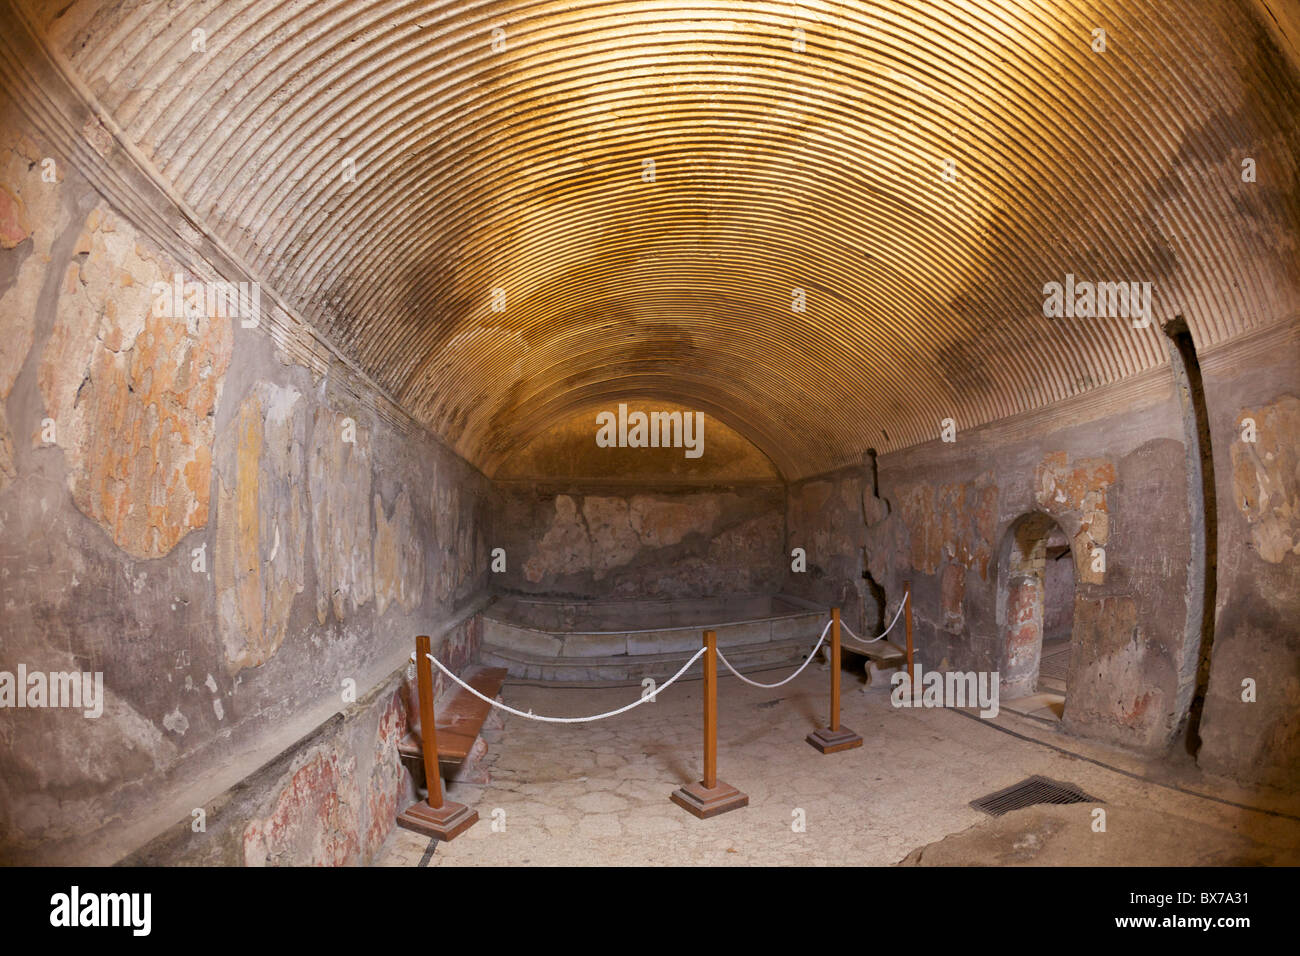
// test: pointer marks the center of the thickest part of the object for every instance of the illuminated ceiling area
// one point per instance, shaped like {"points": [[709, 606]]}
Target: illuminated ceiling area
{"points": [[512, 213]]}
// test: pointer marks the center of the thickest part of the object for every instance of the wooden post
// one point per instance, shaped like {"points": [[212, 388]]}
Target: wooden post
{"points": [[710, 796], [835, 668], [834, 738], [434, 817], [911, 665], [428, 724], [710, 710]]}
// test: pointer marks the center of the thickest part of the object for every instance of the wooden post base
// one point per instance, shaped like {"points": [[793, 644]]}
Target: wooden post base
{"points": [[704, 803], [833, 741], [446, 822]]}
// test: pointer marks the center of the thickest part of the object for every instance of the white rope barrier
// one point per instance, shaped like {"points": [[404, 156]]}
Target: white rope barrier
{"points": [[685, 667], [722, 657], [567, 720], [881, 636]]}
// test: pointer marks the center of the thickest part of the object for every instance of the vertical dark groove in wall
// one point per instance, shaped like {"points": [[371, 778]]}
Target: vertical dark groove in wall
{"points": [[1203, 516], [874, 588]]}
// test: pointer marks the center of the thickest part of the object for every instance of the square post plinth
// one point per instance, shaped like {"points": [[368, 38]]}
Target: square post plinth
{"points": [[710, 796], [445, 822], [707, 802], [832, 741]]}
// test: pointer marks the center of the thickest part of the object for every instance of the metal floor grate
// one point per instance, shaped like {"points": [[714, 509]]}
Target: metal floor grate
{"points": [[1054, 663], [1029, 792]]}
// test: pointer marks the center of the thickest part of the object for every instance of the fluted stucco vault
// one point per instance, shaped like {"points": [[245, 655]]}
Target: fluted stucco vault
{"points": [[457, 198]]}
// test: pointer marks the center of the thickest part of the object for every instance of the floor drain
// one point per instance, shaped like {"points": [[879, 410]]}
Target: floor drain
{"points": [[1029, 792]]}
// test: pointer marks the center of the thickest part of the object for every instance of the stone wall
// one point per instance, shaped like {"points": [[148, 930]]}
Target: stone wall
{"points": [[1110, 473], [590, 541], [1257, 620], [330, 799], [238, 543]]}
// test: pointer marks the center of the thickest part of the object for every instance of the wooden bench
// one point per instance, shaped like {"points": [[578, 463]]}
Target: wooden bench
{"points": [[881, 656], [458, 721]]}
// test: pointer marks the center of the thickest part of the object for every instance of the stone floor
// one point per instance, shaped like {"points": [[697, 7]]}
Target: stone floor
{"points": [[598, 793], [1044, 705]]}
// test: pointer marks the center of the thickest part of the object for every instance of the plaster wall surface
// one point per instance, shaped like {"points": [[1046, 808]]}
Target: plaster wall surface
{"points": [[236, 544], [1249, 728], [589, 541], [1111, 476]]}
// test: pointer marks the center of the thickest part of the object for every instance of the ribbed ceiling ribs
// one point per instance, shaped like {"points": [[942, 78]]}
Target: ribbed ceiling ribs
{"points": [[521, 169]]}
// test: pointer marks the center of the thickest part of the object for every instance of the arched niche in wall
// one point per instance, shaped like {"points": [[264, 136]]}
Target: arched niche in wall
{"points": [[1036, 588]]}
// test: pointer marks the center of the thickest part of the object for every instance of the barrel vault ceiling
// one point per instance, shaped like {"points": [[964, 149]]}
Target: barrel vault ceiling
{"points": [[505, 256]]}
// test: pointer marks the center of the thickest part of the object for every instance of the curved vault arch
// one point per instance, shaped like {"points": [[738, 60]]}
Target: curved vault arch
{"points": [[775, 168], [567, 451]]}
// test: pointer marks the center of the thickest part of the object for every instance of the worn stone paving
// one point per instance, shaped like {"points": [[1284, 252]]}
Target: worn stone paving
{"points": [[598, 793]]}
